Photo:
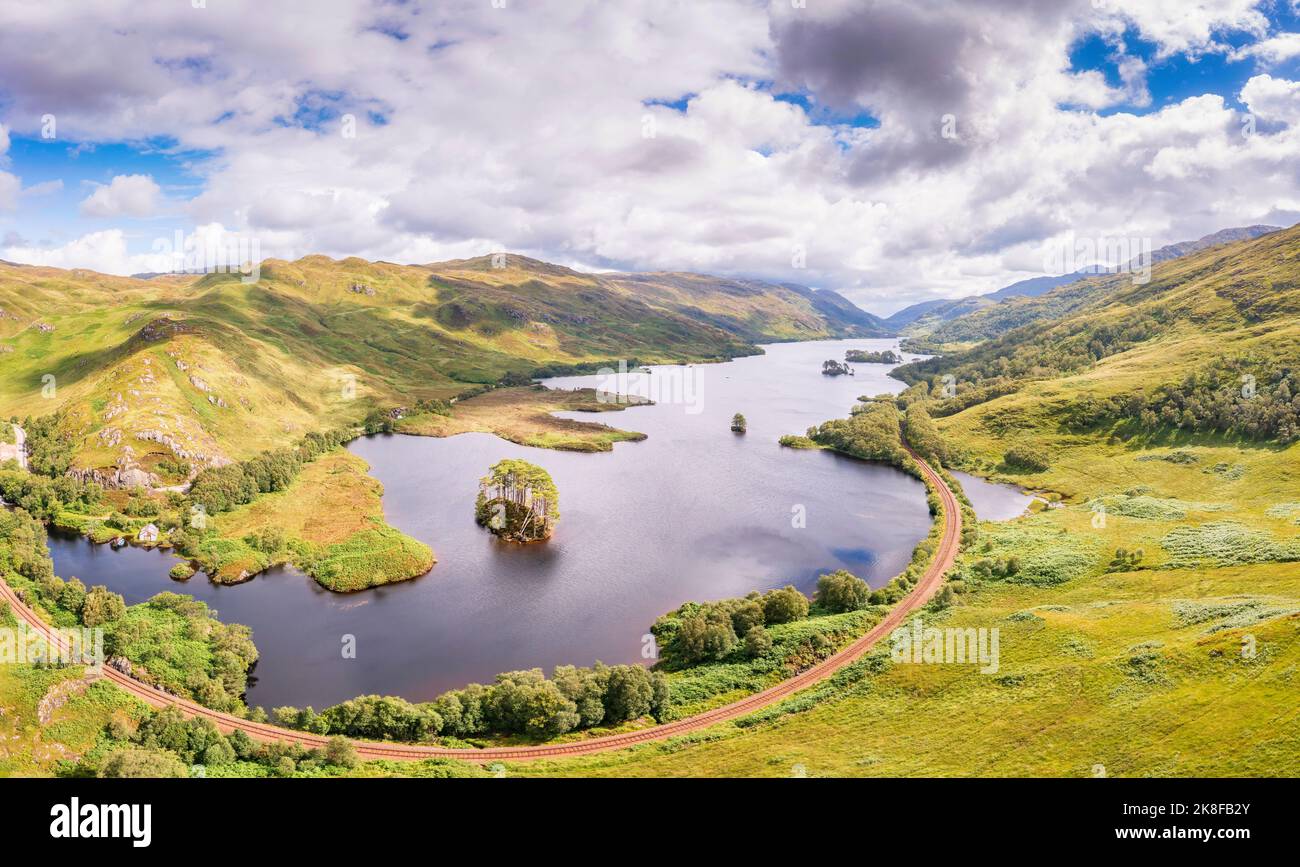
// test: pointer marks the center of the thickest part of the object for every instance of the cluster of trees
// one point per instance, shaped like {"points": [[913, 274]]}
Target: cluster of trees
{"points": [[175, 641], [518, 501], [738, 423], [842, 591], [172, 641], [1252, 399], [708, 631], [517, 702], [1026, 458], [45, 497], [97, 606], [863, 356], [949, 399], [219, 489], [167, 745], [1125, 560], [50, 444], [923, 435], [871, 432], [831, 367], [22, 546]]}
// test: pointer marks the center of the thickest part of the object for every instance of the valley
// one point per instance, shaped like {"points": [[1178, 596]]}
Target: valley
{"points": [[1148, 584]]}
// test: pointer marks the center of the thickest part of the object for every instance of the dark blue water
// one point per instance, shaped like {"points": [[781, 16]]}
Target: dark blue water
{"points": [[993, 501], [693, 512]]}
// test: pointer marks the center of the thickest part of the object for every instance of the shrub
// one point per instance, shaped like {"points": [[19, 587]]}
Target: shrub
{"points": [[757, 642], [784, 605], [134, 762], [1024, 458], [842, 591], [701, 638], [340, 752], [101, 607]]}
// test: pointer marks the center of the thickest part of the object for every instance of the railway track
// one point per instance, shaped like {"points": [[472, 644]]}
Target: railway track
{"points": [[930, 582]]}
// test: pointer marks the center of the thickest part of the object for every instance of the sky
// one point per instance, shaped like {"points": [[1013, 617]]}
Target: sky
{"points": [[893, 150]]}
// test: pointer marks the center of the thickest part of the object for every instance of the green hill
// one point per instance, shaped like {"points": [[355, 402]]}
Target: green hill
{"points": [[201, 370]]}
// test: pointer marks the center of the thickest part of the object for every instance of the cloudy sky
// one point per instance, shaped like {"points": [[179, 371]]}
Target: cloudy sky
{"points": [[896, 150]]}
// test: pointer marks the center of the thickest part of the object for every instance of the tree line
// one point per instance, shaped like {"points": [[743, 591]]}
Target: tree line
{"points": [[515, 703]]}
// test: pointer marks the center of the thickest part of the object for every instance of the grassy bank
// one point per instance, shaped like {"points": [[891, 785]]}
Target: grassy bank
{"points": [[524, 415]]}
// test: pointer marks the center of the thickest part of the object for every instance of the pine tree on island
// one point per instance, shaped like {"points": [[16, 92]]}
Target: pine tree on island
{"points": [[518, 502]]}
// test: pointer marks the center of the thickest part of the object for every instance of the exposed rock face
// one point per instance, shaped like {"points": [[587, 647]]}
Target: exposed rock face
{"points": [[116, 477], [44, 327], [362, 289], [163, 328], [127, 474], [199, 384], [179, 450]]}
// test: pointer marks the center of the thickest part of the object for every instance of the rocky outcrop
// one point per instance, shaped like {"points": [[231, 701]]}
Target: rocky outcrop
{"points": [[127, 473], [115, 477], [163, 328], [181, 451], [362, 289], [61, 693]]}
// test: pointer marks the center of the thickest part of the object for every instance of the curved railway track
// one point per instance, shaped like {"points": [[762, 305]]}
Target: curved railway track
{"points": [[943, 560]]}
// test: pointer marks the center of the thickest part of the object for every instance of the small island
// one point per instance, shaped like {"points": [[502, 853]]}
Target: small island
{"points": [[738, 423], [863, 356], [831, 367], [518, 502]]}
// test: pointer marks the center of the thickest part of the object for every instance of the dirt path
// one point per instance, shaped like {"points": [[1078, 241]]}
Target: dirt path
{"points": [[930, 582]]}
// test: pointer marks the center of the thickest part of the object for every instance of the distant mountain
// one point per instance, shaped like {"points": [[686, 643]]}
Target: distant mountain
{"points": [[754, 310], [928, 316], [1035, 286], [1223, 236]]}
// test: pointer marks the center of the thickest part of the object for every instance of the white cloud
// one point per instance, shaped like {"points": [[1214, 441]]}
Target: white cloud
{"points": [[104, 251], [1273, 98], [1273, 50], [1191, 26], [505, 128], [125, 196]]}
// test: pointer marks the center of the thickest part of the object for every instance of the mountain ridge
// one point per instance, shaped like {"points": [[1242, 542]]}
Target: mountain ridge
{"points": [[945, 309]]}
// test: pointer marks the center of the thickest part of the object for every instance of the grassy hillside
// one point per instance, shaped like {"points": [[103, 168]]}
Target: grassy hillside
{"points": [[754, 309], [1255, 258], [149, 374]]}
